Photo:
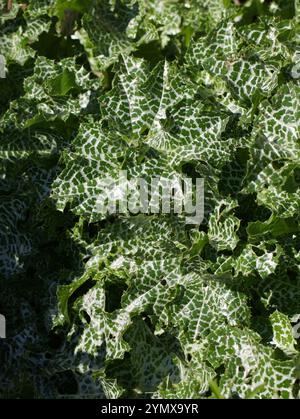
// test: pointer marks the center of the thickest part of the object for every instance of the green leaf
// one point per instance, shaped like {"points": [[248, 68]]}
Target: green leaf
{"points": [[283, 333]]}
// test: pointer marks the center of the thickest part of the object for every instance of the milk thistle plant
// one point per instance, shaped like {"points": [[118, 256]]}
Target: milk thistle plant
{"points": [[150, 199]]}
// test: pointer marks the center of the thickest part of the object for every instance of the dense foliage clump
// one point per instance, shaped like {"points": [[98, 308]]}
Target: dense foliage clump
{"points": [[145, 305]]}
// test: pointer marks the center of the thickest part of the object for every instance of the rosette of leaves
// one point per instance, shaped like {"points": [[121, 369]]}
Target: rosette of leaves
{"points": [[144, 305]]}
